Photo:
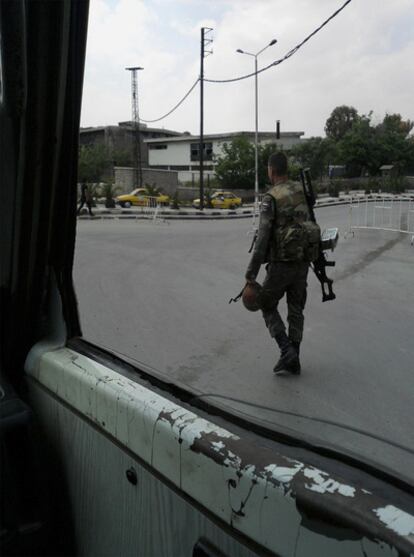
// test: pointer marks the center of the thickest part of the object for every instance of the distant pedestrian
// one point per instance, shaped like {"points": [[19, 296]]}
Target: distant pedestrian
{"points": [[85, 198]]}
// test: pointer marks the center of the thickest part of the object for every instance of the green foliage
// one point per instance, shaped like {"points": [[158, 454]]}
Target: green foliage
{"points": [[352, 140], [94, 191], [315, 153], [394, 124], [395, 146], [396, 184], [93, 162], [175, 201], [359, 148], [366, 147], [96, 161], [335, 186], [294, 170], [109, 190], [122, 157], [235, 168], [340, 122], [152, 189], [208, 203]]}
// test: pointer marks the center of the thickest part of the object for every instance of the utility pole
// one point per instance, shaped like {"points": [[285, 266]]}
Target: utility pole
{"points": [[136, 142], [203, 54]]}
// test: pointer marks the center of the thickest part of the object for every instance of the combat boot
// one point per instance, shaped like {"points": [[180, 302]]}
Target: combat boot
{"points": [[289, 360]]}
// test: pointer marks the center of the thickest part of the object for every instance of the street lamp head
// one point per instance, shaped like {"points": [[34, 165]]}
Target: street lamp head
{"points": [[134, 68], [272, 42], [240, 50]]}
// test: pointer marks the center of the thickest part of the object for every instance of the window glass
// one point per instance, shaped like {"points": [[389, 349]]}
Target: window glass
{"points": [[157, 146], [195, 151], [154, 281]]}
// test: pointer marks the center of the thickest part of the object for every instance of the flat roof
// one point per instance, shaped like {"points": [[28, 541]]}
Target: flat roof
{"points": [[186, 137], [126, 126]]}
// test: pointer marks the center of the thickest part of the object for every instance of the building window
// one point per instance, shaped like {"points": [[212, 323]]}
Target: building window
{"points": [[157, 146], [207, 151]]}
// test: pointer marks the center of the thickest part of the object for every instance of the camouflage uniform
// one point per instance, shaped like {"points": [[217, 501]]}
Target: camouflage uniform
{"points": [[287, 265]]}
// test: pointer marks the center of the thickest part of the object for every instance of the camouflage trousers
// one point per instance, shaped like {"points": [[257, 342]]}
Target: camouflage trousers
{"points": [[285, 277]]}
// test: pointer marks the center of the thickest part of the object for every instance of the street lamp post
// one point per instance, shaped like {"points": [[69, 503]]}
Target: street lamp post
{"points": [[256, 134]]}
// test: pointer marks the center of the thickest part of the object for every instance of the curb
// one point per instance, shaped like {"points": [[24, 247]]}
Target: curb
{"points": [[126, 214], [163, 215], [166, 217]]}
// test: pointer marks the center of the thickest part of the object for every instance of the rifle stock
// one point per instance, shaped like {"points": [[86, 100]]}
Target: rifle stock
{"points": [[318, 266]]}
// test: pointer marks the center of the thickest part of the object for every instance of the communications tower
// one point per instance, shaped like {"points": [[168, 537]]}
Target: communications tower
{"points": [[136, 141]]}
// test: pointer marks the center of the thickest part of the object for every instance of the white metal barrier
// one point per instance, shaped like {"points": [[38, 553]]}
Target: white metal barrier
{"points": [[395, 214], [151, 208]]}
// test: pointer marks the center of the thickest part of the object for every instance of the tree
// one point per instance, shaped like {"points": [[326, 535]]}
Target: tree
{"points": [[122, 157], [393, 123], [109, 191], [93, 162], [340, 122], [368, 147], [235, 168], [394, 143], [315, 153], [359, 149]]}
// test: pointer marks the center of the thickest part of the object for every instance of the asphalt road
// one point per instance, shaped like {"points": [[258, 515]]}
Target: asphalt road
{"points": [[159, 293]]}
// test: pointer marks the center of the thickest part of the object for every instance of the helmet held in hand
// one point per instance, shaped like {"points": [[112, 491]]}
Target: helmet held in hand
{"points": [[250, 296]]}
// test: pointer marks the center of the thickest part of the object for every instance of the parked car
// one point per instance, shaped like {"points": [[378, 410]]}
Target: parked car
{"points": [[221, 200], [140, 197]]}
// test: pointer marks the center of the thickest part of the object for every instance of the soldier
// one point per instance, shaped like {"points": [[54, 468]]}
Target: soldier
{"points": [[282, 243]]}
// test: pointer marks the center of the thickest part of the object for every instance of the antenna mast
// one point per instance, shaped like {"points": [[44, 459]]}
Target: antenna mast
{"points": [[136, 141]]}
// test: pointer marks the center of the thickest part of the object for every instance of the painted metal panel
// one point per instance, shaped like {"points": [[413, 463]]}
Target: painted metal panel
{"points": [[253, 489]]}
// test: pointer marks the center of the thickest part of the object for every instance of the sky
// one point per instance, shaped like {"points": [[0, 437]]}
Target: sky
{"points": [[362, 58]]}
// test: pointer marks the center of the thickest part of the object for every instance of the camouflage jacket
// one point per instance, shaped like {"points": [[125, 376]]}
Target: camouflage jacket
{"points": [[282, 206]]}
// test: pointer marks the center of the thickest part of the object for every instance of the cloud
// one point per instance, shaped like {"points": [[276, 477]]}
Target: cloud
{"points": [[362, 58]]}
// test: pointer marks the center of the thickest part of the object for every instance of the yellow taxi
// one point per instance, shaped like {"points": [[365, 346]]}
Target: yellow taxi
{"points": [[141, 197], [221, 200]]}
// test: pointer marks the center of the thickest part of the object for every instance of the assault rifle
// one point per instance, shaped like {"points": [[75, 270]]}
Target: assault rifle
{"points": [[329, 240]]}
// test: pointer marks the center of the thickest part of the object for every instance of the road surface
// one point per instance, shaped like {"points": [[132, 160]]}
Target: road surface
{"points": [[159, 293]]}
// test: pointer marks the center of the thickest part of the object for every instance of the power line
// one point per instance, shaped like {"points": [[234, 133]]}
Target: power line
{"points": [[232, 80], [174, 108], [286, 56]]}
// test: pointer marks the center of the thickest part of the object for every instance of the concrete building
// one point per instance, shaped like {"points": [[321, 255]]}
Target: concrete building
{"points": [[119, 138], [181, 153]]}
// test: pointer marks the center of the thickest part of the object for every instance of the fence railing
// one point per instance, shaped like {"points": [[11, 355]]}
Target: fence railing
{"points": [[393, 214], [151, 208]]}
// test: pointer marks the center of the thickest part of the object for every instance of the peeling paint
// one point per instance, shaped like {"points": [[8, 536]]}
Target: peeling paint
{"points": [[218, 446], [397, 520], [324, 484], [283, 473], [221, 470]]}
